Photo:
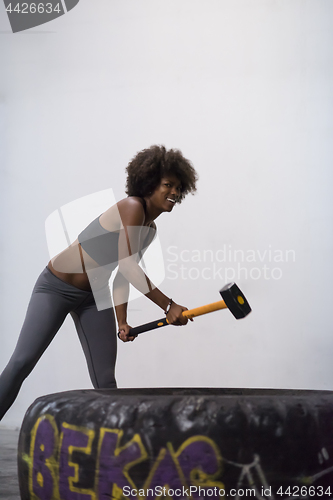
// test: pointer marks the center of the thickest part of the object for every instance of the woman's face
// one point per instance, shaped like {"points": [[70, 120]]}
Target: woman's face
{"points": [[166, 194]]}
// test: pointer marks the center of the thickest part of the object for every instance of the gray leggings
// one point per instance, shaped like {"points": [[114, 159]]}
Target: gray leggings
{"points": [[52, 299]]}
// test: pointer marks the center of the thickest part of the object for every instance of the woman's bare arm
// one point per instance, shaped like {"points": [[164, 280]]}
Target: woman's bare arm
{"points": [[133, 216]]}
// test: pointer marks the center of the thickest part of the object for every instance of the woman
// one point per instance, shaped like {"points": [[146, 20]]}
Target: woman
{"points": [[76, 281]]}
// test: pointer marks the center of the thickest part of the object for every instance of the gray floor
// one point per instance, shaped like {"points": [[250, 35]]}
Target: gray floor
{"points": [[9, 489]]}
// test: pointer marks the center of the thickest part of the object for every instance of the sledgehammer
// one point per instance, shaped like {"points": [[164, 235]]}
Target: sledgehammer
{"points": [[233, 299]]}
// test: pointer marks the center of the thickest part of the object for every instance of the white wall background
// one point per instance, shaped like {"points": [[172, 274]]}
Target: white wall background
{"points": [[244, 89]]}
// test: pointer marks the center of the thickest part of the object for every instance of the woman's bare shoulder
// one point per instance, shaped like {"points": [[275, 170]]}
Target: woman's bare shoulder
{"points": [[131, 208], [127, 211]]}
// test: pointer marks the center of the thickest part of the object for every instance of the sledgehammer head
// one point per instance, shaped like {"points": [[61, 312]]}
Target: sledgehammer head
{"points": [[235, 300]]}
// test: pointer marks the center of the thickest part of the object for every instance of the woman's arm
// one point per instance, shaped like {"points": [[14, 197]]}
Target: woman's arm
{"points": [[121, 288], [132, 215], [120, 296], [121, 285]]}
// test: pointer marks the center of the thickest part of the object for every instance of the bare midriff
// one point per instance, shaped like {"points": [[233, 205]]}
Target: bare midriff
{"points": [[71, 265]]}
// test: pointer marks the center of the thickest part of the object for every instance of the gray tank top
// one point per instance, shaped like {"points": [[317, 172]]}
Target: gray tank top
{"points": [[100, 244]]}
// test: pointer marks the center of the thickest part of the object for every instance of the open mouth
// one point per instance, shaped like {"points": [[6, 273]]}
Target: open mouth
{"points": [[170, 199]]}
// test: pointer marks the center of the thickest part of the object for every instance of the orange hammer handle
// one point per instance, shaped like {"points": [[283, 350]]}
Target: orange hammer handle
{"points": [[198, 311], [215, 306]]}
